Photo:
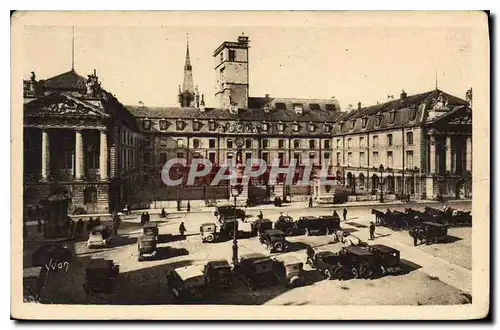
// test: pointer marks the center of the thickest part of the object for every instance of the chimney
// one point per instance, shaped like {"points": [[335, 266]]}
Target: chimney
{"points": [[403, 95], [202, 99], [359, 105], [267, 96], [95, 73]]}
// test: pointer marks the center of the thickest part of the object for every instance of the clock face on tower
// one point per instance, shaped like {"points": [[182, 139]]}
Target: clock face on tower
{"points": [[239, 141]]}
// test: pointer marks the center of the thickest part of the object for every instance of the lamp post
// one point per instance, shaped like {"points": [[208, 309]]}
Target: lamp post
{"points": [[235, 192], [381, 183]]}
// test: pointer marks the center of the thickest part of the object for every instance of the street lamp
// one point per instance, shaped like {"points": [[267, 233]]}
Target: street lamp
{"points": [[381, 183], [236, 190]]}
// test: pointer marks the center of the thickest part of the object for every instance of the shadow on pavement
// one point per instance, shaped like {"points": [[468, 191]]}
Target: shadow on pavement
{"points": [[450, 239], [118, 241], [409, 266], [169, 238]]}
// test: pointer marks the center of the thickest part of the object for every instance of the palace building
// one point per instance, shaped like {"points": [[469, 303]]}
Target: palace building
{"points": [[107, 154]]}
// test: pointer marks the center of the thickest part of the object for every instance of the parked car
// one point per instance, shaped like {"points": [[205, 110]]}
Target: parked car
{"points": [[429, 232], [313, 225], [187, 283], [256, 270], [146, 247], [261, 225], [100, 276], [290, 269], [99, 236], [229, 211], [328, 263], [218, 273], [209, 232], [387, 258], [286, 224], [333, 223], [228, 228], [274, 240], [150, 228], [33, 282], [360, 261]]}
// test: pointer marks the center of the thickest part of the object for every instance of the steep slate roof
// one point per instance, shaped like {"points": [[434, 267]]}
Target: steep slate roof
{"points": [[261, 102], [68, 81]]}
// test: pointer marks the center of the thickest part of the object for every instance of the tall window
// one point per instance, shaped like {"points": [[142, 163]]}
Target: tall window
{"points": [[361, 142], [211, 125], [327, 156], [229, 158], [146, 124], [389, 159], [248, 155], [232, 55], [338, 144], [163, 143], [361, 159], [375, 141], [180, 143], [265, 157], [163, 157], [211, 143], [375, 159], [248, 143], [196, 143], [296, 144], [409, 138], [163, 124], [349, 143], [389, 139], [281, 158], [281, 144], [229, 144], [295, 127], [146, 158], [339, 159], [326, 144], [265, 144], [211, 157], [296, 156], [409, 159], [349, 158], [312, 144]]}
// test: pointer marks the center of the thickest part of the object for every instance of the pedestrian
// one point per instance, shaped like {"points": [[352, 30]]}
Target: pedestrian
{"points": [[79, 226], [163, 213], [261, 215], [116, 224], [97, 221], [336, 215], [310, 254], [345, 214], [178, 204], [182, 229], [148, 217], [310, 201], [189, 207], [72, 228], [372, 230], [90, 224], [281, 216]]}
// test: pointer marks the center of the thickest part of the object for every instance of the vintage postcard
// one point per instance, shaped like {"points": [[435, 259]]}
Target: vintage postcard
{"points": [[250, 165]]}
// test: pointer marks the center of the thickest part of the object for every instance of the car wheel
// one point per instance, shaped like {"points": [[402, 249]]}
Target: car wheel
{"points": [[209, 238], [367, 272], [328, 274], [327, 231], [278, 247], [354, 273], [307, 232], [250, 284], [338, 273], [382, 270], [140, 258]]}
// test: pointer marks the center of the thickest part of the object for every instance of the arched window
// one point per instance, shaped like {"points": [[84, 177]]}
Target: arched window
{"points": [[90, 195]]}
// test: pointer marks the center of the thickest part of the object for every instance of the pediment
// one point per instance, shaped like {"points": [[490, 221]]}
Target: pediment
{"points": [[458, 116], [63, 104]]}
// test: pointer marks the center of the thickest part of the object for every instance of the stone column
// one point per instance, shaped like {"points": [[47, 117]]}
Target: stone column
{"points": [[449, 166], [45, 155], [79, 163], [432, 154], [103, 155], [468, 151]]}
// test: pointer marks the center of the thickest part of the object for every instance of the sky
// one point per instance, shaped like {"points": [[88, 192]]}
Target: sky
{"points": [[352, 64]]}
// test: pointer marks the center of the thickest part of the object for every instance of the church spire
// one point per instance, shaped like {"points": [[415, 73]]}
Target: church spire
{"points": [[188, 84]]}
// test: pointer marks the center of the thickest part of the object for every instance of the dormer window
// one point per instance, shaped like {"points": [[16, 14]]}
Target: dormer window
{"points": [[179, 124], [312, 128], [341, 125], [281, 126], [232, 55], [364, 122], [146, 124], [211, 125], [330, 107], [265, 127], [196, 125], [163, 124], [412, 114], [353, 123], [327, 128], [392, 117], [280, 106], [299, 110], [295, 127], [314, 106], [378, 121]]}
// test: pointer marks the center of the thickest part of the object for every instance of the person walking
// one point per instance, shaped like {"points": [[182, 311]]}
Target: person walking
{"points": [[163, 213], [189, 206], [116, 224], [90, 225], [178, 204], [372, 230], [261, 215], [310, 201], [345, 214], [182, 229], [336, 215], [97, 221], [79, 227]]}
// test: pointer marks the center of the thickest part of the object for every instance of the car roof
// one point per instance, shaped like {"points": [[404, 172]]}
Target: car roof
{"points": [[288, 259], [327, 217], [100, 263], [253, 256], [358, 250], [325, 253], [434, 224], [383, 248], [309, 217], [143, 238], [273, 232], [188, 272], [208, 224], [263, 220], [150, 224], [221, 263]]}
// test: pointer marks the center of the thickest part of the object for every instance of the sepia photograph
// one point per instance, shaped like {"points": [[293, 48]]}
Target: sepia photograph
{"points": [[250, 165]]}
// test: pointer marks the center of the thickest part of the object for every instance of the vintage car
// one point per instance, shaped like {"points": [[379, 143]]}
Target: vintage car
{"points": [[229, 211], [313, 225], [261, 225], [286, 224], [209, 232], [99, 236], [146, 247], [328, 263], [228, 228], [274, 240], [100, 276], [387, 258], [290, 269], [33, 280], [150, 228], [256, 270], [218, 273], [429, 232], [333, 223], [187, 283], [360, 261]]}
